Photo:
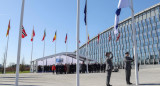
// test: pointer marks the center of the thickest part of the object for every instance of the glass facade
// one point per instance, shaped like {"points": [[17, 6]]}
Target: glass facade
{"points": [[147, 25]]}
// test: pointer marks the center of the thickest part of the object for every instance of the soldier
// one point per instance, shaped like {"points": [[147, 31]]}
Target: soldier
{"points": [[127, 61], [109, 67]]}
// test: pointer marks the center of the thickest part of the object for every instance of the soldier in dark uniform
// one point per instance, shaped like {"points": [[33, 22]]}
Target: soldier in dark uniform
{"points": [[109, 67], [128, 60]]}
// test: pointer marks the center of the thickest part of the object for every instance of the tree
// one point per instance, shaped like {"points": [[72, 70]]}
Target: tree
{"points": [[22, 66], [3, 63]]}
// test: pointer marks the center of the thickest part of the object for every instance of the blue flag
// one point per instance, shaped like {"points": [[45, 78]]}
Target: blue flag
{"points": [[85, 13]]}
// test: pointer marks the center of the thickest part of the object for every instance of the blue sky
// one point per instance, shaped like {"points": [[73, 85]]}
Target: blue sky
{"points": [[57, 15]]}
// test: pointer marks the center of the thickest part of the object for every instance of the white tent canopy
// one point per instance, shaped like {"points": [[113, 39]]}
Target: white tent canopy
{"points": [[64, 57]]}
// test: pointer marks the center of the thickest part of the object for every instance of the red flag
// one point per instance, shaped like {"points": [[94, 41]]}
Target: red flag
{"points": [[44, 35], [79, 41], [118, 37], [98, 38], [110, 37], [66, 39], [88, 38], [33, 34], [23, 32]]}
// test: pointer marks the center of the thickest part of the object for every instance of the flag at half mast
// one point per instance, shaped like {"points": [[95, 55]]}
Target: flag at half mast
{"points": [[8, 29], [66, 39], [44, 35], [98, 38], [55, 36], [33, 34], [122, 4], [24, 34]]}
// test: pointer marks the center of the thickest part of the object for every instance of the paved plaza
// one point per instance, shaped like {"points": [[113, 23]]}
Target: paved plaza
{"points": [[147, 77]]}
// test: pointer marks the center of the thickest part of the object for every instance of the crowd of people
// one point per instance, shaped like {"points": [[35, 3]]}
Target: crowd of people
{"points": [[71, 68], [92, 67]]}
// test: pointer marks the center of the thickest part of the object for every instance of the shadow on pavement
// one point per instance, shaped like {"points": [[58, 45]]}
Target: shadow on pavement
{"points": [[158, 84], [6, 84]]}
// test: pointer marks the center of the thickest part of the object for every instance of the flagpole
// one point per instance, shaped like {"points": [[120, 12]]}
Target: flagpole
{"points": [[66, 49], [4, 60], [43, 54], [19, 44], [135, 45], [99, 52], [6, 56], [31, 70], [87, 47], [55, 45], [87, 40], [77, 53]]}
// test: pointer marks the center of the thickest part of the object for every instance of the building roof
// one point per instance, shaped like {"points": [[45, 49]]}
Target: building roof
{"points": [[69, 54]]}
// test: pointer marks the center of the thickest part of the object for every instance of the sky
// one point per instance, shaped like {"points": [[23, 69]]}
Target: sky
{"points": [[55, 15]]}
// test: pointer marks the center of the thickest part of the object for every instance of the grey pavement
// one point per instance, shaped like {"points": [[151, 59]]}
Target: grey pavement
{"points": [[147, 77]]}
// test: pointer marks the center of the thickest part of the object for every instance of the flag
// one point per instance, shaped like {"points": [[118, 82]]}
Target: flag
{"points": [[88, 38], [33, 34], [118, 37], [66, 39], [44, 35], [110, 37], [8, 29], [98, 38], [24, 34], [122, 4], [54, 36], [79, 41], [85, 13]]}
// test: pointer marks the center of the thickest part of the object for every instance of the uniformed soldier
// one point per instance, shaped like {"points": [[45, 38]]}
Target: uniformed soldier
{"points": [[109, 67], [128, 60]]}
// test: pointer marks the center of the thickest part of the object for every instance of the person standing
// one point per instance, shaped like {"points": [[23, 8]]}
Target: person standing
{"points": [[128, 60], [109, 67], [53, 68]]}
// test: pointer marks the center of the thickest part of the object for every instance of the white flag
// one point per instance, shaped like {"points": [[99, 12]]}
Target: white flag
{"points": [[122, 4]]}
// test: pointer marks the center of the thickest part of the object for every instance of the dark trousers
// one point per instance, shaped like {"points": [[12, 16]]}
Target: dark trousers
{"points": [[53, 71], [108, 77], [128, 75]]}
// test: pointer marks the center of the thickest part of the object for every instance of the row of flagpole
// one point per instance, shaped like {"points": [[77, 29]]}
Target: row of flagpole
{"points": [[77, 43]]}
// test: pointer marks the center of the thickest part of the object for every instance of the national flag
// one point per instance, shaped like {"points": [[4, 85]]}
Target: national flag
{"points": [[98, 38], [55, 36], [44, 35], [8, 29], [110, 37], [79, 41], [66, 39], [85, 13], [33, 34], [122, 4], [24, 34], [118, 37], [88, 38]]}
